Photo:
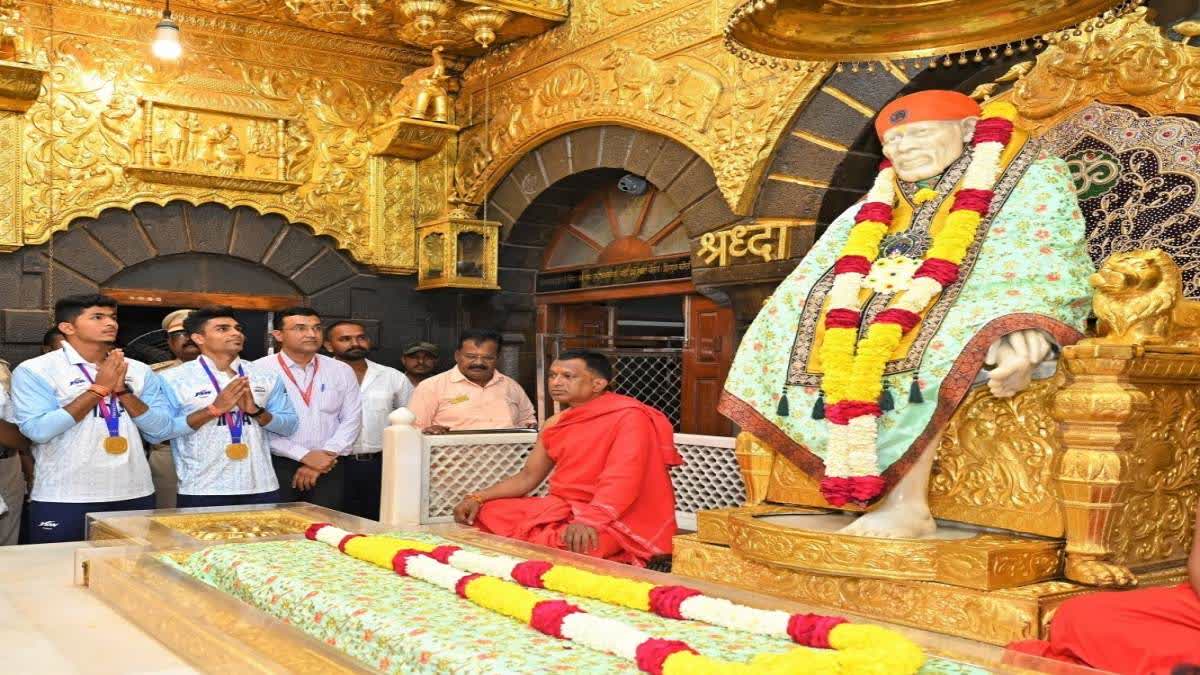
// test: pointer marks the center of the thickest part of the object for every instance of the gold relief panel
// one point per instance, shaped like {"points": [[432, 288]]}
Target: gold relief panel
{"points": [[997, 617], [983, 561], [234, 526], [1164, 479], [238, 121], [10, 181], [1129, 62], [206, 148], [666, 73], [712, 525], [995, 463]]}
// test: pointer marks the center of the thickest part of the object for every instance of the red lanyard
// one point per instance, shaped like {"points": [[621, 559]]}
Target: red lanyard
{"points": [[305, 393]]}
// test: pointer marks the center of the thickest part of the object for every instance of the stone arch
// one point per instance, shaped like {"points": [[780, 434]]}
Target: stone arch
{"points": [[671, 166], [263, 253]]}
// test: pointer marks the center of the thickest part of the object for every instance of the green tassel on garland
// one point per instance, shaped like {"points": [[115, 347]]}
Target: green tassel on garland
{"points": [[783, 410], [886, 402], [818, 411], [914, 391]]}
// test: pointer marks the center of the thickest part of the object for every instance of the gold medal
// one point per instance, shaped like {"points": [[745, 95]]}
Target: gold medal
{"points": [[237, 451], [116, 445]]}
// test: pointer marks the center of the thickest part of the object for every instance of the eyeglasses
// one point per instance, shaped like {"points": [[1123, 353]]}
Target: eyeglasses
{"points": [[479, 357], [176, 333]]}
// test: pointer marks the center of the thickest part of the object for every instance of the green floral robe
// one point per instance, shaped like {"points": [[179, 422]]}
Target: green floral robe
{"points": [[1028, 270]]}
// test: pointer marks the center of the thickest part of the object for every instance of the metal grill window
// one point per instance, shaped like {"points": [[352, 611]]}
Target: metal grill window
{"points": [[653, 379], [649, 369]]}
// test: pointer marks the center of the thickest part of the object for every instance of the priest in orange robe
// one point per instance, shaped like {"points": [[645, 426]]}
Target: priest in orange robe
{"points": [[607, 456], [1150, 631]]}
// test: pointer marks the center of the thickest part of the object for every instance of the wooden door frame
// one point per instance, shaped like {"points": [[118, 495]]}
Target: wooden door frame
{"points": [[649, 289], [148, 297]]}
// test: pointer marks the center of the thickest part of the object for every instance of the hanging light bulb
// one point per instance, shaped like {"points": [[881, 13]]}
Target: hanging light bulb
{"points": [[166, 37]]}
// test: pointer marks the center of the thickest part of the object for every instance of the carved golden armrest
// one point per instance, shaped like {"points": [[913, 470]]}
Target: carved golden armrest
{"points": [[1130, 470]]}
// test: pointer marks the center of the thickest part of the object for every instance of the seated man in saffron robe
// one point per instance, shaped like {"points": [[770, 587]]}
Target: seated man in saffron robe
{"points": [[610, 493], [1152, 630]]}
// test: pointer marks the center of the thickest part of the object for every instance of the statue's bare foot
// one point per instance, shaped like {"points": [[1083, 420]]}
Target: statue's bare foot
{"points": [[893, 522], [1100, 573]]}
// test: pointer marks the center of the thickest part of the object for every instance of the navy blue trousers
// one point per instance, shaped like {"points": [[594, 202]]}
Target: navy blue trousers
{"points": [[190, 501], [53, 522]]}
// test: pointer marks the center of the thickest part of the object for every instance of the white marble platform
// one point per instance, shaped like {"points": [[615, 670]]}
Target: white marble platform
{"points": [[50, 625]]}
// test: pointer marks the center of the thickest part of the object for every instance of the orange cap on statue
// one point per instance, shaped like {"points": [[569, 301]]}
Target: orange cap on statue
{"points": [[934, 105]]}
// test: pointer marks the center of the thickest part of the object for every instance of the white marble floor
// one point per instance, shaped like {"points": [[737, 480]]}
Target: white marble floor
{"points": [[48, 625]]}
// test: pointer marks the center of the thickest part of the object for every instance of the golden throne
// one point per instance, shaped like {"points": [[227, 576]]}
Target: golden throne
{"points": [[1087, 479]]}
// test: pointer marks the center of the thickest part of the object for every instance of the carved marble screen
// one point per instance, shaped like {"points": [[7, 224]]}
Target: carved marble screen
{"points": [[1138, 182]]}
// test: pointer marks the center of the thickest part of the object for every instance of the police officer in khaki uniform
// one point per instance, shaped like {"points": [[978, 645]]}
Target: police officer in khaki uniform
{"points": [[162, 465], [12, 478]]}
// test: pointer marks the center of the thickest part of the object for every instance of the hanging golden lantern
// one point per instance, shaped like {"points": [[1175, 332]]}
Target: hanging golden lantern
{"points": [[763, 31], [457, 252]]}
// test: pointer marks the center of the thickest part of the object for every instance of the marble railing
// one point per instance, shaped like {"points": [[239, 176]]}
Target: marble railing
{"points": [[425, 476]]}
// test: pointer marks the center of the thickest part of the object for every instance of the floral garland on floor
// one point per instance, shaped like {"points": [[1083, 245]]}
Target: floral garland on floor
{"points": [[853, 381], [845, 647]]}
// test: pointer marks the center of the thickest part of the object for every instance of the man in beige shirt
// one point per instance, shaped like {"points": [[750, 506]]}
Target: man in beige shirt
{"points": [[472, 395]]}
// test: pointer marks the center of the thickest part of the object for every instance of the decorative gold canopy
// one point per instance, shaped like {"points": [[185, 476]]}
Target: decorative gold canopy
{"points": [[460, 27], [869, 30]]}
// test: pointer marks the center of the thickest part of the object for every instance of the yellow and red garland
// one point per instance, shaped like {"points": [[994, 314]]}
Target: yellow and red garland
{"points": [[853, 367], [842, 647]]}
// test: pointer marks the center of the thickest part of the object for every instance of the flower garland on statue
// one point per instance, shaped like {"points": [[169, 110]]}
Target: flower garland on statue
{"points": [[852, 386], [482, 579]]}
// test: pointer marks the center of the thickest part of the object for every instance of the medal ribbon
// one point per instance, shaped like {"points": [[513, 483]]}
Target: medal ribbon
{"points": [[108, 409], [305, 393], [234, 421]]}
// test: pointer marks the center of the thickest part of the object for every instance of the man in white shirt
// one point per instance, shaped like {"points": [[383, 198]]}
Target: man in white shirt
{"points": [[12, 480], [222, 408], [83, 406], [325, 395], [383, 390]]}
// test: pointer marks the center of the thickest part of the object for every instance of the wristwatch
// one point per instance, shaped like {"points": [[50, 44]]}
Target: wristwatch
{"points": [[257, 413]]}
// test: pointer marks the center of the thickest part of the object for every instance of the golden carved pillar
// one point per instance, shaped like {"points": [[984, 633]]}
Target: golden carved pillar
{"points": [[1098, 411], [11, 235]]}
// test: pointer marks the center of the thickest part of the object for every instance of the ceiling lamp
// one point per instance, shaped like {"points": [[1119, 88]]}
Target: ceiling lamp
{"points": [[944, 31], [425, 14], [484, 21], [166, 44]]}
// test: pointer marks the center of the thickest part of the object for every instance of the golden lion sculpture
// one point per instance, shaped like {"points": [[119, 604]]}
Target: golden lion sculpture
{"points": [[1139, 301]]}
